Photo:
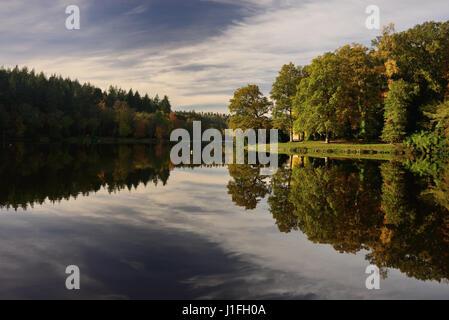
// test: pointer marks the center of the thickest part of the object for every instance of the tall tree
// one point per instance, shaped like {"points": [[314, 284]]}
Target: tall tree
{"points": [[341, 95], [283, 92], [419, 56], [396, 106], [125, 117], [165, 105], [315, 103], [249, 109], [359, 95]]}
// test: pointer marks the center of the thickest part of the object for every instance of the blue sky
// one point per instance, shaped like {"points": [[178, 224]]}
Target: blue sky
{"points": [[195, 51]]}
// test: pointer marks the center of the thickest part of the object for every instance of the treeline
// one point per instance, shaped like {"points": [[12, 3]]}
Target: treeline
{"points": [[33, 106], [209, 120], [397, 88]]}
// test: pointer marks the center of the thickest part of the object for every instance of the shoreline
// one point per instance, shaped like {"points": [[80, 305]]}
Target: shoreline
{"points": [[374, 151]]}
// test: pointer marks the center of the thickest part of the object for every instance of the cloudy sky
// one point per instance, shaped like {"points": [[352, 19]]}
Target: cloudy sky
{"points": [[195, 51]]}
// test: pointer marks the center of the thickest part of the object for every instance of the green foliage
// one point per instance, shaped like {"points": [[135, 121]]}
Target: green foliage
{"points": [[33, 106], [315, 100], [249, 109], [336, 204], [419, 57], [281, 207], [424, 142], [341, 95], [435, 140], [361, 93], [165, 105], [396, 107], [283, 91], [124, 118], [396, 201]]}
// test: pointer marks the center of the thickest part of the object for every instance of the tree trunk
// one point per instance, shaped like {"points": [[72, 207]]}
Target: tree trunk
{"points": [[327, 137], [291, 126]]}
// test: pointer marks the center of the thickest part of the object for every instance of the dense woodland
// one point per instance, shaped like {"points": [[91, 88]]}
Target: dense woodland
{"points": [[33, 106], [395, 91]]}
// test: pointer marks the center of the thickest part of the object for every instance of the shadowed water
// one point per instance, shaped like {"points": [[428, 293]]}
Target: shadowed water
{"points": [[139, 227]]}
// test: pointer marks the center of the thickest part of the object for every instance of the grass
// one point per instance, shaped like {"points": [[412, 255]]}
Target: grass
{"points": [[376, 151]]}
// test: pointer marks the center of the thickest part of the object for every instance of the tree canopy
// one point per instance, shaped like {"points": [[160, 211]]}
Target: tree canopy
{"points": [[283, 91], [249, 109]]}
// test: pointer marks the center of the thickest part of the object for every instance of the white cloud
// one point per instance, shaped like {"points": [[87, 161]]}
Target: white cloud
{"points": [[137, 10]]}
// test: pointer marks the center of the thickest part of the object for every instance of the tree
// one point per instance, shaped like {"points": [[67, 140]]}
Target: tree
{"points": [[165, 105], [33, 106], [141, 124], [359, 95], [124, 118], [163, 125], [419, 56], [396, 108], [315, 103], [283, 92], [249, 109], [341, 95]]}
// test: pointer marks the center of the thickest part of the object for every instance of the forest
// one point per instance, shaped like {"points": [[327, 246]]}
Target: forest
{"points": [[36, 107], [395, 91]]}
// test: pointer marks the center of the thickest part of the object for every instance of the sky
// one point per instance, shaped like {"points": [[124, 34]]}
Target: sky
{"points": [[195, 51]]}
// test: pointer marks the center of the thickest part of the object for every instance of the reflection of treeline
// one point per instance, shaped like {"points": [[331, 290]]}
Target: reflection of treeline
{"points": [[401, 219], [202, 165], [34, 106], [53, 172]]}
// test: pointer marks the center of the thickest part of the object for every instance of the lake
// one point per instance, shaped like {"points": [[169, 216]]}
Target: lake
{"points": [[139, 227]]}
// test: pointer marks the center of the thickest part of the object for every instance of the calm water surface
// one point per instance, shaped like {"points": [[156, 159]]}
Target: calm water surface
{"points": [[138, 227]]}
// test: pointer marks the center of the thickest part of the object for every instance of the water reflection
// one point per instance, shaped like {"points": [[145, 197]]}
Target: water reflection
{"points": [[400, 218], [31, 174], [174, 234]]}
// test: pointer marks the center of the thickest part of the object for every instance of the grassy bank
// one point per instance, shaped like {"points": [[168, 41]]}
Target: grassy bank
{"points": [[377, 151]]}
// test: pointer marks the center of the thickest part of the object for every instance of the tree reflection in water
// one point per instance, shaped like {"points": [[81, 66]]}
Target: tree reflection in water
{"points": [[398, 212], [401, 218]]}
